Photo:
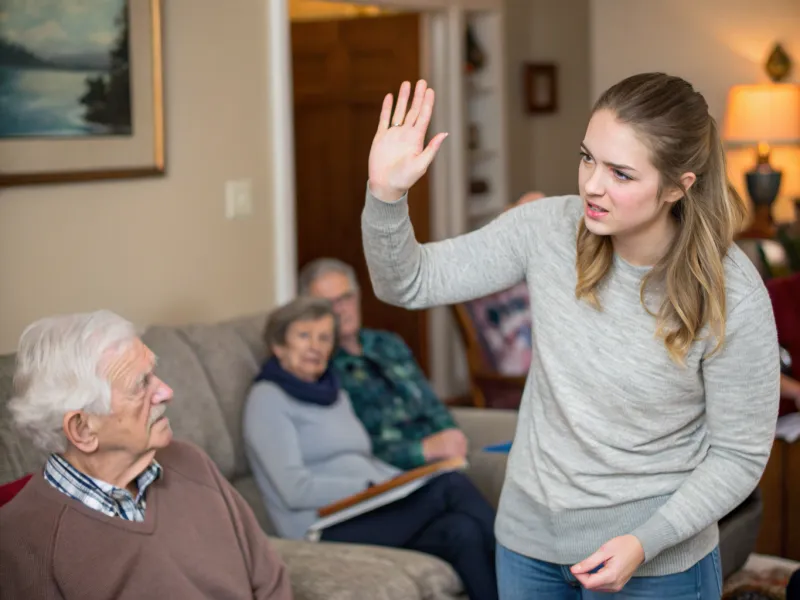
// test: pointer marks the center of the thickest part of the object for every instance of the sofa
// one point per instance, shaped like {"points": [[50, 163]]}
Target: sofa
{"points": [[210, 368]]}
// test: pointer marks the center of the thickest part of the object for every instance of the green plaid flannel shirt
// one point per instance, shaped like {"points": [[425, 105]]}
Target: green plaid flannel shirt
{"points": [[391, 397]]}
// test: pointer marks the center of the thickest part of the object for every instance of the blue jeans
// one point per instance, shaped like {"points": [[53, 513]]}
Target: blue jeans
{"points": [[523, 578]]}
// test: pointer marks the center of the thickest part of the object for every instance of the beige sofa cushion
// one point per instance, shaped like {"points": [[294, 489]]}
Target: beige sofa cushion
{"points": [[230, 367], [353, 572], [18, 455]]}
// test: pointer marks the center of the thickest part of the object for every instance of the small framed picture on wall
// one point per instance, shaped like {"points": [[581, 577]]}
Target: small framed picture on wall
{"points": [[541, 88]]}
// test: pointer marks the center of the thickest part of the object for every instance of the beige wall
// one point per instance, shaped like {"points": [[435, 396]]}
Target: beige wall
{"points": [[544, 148], [160, 250], [715, 44]]}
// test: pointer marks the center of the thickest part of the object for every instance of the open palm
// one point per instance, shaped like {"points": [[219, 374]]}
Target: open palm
{"points": [[398, 157]]}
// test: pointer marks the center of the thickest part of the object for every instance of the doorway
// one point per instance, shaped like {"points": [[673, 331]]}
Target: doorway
{"points": [[341, 70]]}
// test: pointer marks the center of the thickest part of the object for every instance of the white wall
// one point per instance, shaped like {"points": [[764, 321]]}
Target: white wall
{"points": [[714, 44], [543, 149]]}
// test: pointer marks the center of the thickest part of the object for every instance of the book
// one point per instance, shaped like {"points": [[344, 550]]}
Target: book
{"points": [[503, 448], [381, 494]]}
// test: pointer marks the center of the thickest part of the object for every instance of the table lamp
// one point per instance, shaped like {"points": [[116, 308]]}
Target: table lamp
{"points": [[763, 115]]}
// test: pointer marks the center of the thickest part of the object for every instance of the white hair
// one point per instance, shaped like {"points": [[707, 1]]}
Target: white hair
{"points": [[59, 369], [322, 266]]}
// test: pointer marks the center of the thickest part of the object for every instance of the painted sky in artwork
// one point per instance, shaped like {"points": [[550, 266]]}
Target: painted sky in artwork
{"points": [[54, 29]]}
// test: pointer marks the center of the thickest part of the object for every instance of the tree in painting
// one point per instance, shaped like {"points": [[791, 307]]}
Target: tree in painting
{"points": [[108, 97]]}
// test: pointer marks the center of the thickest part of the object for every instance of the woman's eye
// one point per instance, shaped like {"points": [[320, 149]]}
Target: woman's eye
{"points": [[621, 176], [585, 157]]}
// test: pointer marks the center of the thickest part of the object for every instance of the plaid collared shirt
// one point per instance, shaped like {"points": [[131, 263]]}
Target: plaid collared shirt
{"points": [[99, 495], [392, 397]]}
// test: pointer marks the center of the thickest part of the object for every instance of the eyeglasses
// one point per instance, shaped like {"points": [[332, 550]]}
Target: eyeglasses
{"points": [[345, 298]]}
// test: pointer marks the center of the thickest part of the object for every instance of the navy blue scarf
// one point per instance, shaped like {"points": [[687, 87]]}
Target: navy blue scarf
{"points": [[323, 392]]}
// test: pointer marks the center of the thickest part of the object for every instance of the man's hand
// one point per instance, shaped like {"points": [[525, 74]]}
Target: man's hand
{"points": [[445, 444], [617, 560]]}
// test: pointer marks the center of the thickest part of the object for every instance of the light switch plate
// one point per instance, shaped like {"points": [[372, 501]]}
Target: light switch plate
{"points": [[238, 199]]}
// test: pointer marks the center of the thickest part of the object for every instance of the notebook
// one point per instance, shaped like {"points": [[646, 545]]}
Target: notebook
{"points": [[503, 448], [381, 494]]}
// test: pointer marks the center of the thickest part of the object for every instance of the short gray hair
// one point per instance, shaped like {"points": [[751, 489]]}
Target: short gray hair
{"points": [[59, 369], [302, 308], [322, 266]]}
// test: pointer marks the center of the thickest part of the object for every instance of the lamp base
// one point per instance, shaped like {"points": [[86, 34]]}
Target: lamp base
{"points": [[763, 184], [762, 227]]}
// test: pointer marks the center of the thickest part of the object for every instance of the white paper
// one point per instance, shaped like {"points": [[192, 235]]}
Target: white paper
{"points": [[788, 428], [315, 531]]}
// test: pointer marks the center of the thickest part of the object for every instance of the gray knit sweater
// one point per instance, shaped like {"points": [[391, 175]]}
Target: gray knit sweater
{"points": [[613, 437], [305, 456]]}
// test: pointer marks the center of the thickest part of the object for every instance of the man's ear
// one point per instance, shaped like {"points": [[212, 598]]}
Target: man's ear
{"points": [[79, 428]]}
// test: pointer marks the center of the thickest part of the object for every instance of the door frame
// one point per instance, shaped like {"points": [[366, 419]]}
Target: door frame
{"points": [[442, 22]]}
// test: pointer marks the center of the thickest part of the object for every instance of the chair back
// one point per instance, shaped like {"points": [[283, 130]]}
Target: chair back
{"points": [[496, 331]]}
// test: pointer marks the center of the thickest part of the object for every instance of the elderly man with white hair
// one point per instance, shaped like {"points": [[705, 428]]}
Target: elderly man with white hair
{"points": [[119, 509]]}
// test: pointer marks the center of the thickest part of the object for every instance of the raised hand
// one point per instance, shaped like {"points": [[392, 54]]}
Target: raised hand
{"points": [[397, 158]]}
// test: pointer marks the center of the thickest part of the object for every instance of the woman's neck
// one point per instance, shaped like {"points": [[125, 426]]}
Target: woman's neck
{"points": [[646, 246]]}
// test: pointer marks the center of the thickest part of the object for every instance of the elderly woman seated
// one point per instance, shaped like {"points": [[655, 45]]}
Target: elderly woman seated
{"points": [[308, 449]]}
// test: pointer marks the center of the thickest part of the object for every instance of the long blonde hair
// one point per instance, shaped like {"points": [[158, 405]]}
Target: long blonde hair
{"points": [[673, 121]]}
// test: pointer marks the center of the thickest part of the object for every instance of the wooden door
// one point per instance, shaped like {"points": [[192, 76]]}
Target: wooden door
{"points": [[342, 69]]}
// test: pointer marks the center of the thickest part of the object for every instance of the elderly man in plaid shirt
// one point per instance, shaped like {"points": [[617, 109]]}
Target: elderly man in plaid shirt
{"points": [[407, 422], [119, 510]]}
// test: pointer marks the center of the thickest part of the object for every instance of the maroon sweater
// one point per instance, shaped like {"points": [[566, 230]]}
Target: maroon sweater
{"points": [[199, 539]]}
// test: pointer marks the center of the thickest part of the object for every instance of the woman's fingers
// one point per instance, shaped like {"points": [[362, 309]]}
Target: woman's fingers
{"points": [[426, 156], [386, 113], [604, 580], [426, 111], [402, 103], [416, 105]]}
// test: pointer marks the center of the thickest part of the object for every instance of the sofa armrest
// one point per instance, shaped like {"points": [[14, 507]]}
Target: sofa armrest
{"points": [[321, 571], [738, 533], [487, 470], [484, 427]]}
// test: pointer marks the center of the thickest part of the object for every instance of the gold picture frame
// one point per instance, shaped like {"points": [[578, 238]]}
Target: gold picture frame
{"points": [[89, 133]]}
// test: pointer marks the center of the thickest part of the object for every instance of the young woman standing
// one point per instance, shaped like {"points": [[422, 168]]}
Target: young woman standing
{"points": [[650, 406]]}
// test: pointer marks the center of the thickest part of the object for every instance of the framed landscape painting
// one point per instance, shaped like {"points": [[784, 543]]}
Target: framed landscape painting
{"points": [[81, 93]]}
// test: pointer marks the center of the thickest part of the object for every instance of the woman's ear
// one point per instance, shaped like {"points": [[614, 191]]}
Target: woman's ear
{"points": [[687, 180], [675, 193]]}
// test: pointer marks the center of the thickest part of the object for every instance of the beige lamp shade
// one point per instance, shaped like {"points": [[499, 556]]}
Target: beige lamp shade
{"points": [[768, 113]]}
